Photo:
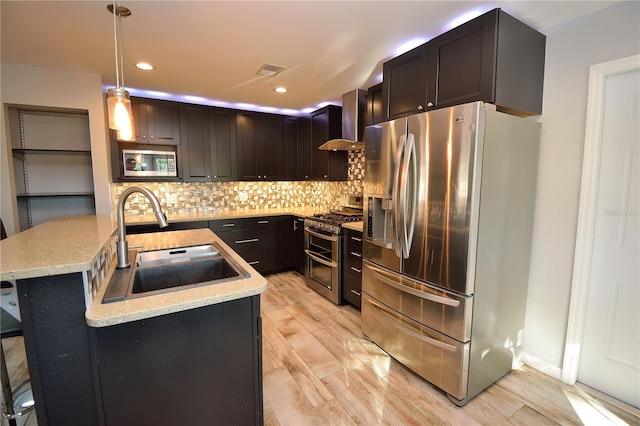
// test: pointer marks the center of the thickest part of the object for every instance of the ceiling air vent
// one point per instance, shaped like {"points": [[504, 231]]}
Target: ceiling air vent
{"points": [[269, 70]]}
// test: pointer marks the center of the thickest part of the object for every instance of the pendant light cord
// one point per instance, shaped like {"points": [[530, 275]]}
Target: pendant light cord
{"points": [[115, 43], [121, 49]]}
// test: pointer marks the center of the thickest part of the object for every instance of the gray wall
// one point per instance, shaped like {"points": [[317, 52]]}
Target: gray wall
{"points": [[603, 36]]}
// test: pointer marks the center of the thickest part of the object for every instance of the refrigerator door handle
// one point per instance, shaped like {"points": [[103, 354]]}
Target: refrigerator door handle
{"points": [[421, 294], [380, 310], [395, 195], [408, 166]]}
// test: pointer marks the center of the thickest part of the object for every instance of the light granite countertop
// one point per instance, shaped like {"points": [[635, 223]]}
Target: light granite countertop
{"points": [[107, 314], [57, 247], [71, 244], [356, 226]]}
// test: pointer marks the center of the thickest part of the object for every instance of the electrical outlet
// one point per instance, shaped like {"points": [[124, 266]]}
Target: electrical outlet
{"points": [[520, 337], [171, 198], [243, 196]]}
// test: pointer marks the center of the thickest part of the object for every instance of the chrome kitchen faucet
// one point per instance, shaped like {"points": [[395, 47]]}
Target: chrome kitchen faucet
{"points": [[123, 247]]}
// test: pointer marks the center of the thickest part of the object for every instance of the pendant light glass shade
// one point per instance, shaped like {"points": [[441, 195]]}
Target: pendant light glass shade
{"points": [[119, 107]]}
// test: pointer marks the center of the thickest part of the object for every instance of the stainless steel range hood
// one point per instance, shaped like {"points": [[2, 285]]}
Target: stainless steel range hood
{"points": [[354, 105]]}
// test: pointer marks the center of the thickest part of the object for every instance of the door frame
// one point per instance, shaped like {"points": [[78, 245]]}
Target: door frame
{"points": [[598, 74]]}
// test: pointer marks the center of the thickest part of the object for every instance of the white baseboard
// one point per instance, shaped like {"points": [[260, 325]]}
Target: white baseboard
{"points": [[538, 364]]}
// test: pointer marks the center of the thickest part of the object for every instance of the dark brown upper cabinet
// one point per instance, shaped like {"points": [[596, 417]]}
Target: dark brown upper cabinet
{"points": [[209, 144], [296, 132], [493, 58], [326, 124], [156, 122], [260, 145], [374, 105]]}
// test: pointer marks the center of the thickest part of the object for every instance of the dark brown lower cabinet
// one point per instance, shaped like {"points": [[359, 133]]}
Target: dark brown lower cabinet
{"points": [[352, 266], [197, 367]]}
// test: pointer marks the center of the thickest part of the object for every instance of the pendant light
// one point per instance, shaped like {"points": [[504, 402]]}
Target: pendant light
{"points": [[118, 102]]}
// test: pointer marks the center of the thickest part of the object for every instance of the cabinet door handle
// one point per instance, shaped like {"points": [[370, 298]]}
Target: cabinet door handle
{"points": [[429, 104], [356, 239], [151, 137], [356, 254], [253, 262], [228, 225], [251, 240], [356, 270], [357, 293], [262, 222], [420, 107]]}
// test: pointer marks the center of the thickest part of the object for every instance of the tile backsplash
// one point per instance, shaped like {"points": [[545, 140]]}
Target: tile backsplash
{"points": [[202, 197]]}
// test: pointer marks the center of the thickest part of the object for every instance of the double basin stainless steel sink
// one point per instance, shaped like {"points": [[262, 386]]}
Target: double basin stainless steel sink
{"points": [[162, 271]]}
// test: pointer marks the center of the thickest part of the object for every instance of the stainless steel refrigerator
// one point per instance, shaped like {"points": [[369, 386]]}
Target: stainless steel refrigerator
{"points": [[449, 202]]}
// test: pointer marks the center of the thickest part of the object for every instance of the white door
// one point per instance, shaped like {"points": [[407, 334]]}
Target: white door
{"points": [[610, 350]]}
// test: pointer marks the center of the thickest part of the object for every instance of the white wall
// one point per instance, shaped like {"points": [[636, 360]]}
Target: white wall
{"points": [[51, 88], [609, 34]]}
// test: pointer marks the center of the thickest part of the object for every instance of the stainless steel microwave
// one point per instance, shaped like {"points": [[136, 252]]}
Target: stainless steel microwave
{"points": [[149, 163]]}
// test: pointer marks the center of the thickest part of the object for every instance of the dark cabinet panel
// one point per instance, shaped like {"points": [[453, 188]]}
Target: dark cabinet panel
{"points": [[326, 124], [404, 88], [493, 58], [208, 144], [156, 122], [200, 366], [375, 112], [222, 144], [352, 266], [294, 138], [299, 257], [256, 240], [196, 164], [461, 63], [260, 145]]}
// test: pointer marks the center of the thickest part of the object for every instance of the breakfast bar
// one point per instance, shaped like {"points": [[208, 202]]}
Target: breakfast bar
{"points": [[139, 359]]}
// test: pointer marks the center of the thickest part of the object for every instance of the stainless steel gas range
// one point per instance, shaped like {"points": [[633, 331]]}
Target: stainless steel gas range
{"points": [[323, 245]]}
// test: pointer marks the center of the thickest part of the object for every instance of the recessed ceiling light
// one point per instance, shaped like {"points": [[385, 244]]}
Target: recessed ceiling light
{"points": [[281, 89], [144, 66]]}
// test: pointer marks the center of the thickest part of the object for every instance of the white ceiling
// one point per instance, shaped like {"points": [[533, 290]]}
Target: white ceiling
{"points": [[213, 49]]}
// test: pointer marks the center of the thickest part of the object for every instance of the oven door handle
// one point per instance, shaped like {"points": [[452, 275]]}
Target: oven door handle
{"points": [[319, 235], [320, 260]]}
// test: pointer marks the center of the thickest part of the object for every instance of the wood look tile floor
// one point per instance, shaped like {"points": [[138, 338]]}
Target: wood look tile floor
{"points": [[319, 370]]}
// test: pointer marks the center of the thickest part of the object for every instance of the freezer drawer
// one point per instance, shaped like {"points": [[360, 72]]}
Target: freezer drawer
{"points": [[444, 311], [442, 361]]}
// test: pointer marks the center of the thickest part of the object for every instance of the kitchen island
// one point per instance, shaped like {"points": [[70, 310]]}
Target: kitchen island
{"points": [[126, 362]]}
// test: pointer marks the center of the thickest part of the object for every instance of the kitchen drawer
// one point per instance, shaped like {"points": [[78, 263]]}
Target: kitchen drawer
{"points": [[353, 265], [352, 238], [223, 225], [351, 288], [262, 260], [261, 222], [444, 311], [437, 358], [246, 240]]}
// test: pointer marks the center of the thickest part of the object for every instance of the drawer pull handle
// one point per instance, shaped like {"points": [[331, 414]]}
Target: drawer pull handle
{"points": [[357, 293], [356, 254], [356, 239], [251, 240], [423, 295], [262, 222], [228, 225], [254, 262], [356, 269]]}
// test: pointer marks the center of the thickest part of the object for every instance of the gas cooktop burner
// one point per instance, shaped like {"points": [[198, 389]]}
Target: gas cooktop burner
{"points": [[332, 221], [338, 218]]}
